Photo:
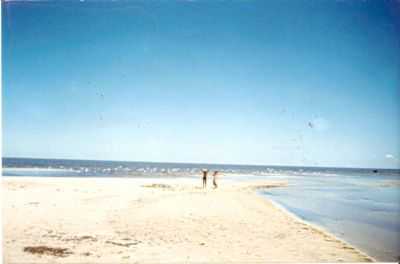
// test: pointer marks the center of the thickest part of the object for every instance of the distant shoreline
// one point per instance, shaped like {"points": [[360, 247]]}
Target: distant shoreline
{"points": [[202, 164]]}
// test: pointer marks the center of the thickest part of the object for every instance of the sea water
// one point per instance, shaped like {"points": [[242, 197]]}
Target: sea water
{"points": [[360, 206], [362, 209]]}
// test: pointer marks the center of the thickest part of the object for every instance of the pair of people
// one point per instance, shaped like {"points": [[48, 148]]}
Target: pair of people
{"points": [[205, 173]]}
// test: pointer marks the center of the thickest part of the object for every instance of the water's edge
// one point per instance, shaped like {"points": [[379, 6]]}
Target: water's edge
{"points": [[315, 226]]}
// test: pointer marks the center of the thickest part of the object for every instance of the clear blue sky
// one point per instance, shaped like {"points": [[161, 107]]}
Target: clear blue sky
{"points": [[312, 82]]}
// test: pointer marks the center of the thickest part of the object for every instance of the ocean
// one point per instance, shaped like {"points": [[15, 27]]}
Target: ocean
{"points": [[360, 206]]}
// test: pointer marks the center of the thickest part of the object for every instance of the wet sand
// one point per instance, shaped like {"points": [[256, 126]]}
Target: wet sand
{"points": [[103, 220]]}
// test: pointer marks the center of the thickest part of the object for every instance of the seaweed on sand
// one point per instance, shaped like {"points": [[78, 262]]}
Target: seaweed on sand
{"points": [[44, 250]]}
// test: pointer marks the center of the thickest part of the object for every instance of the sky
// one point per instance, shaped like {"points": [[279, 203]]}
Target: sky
{"points": [[309, 83]]}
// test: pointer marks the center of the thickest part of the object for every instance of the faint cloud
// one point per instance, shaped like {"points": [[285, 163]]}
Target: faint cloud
{"points": [[389, 156]]}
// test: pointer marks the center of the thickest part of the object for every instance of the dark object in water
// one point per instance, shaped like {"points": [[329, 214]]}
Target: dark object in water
{"points": [[44, 250], [375, 171]]}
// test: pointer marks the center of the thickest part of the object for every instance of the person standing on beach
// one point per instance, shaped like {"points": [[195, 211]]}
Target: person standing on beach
{"points": [[205, 172], [215, 179]]}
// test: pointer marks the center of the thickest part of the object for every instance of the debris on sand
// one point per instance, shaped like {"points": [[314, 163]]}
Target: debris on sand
{"points": [[158, 185], [80, 238], [44, 250], [123, 244], [265, 185]]}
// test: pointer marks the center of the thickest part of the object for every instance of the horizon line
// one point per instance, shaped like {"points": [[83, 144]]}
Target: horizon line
{"points": [[202, 163]]}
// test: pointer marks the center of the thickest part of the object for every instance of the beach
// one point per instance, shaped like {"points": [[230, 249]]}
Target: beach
{"points": [[103, 220]]}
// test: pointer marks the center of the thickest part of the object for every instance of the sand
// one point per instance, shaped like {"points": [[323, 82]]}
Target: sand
{"points": [[98, 220]]}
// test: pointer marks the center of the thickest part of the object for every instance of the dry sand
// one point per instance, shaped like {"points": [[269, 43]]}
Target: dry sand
{"points": [[76, 220]]}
